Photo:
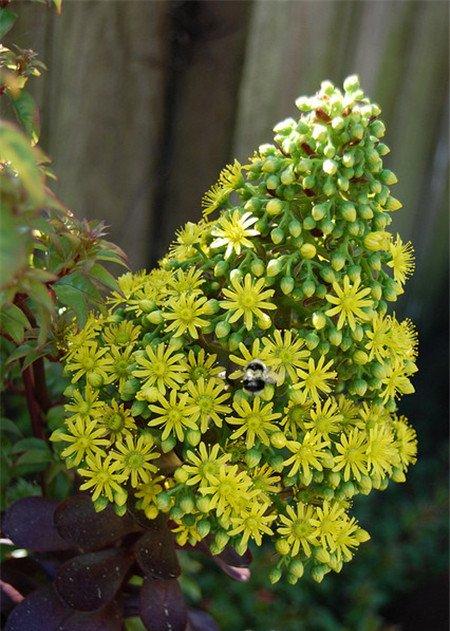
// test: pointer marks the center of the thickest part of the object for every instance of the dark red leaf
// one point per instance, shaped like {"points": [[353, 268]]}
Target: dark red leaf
{"points": [[155, 552], [162, 606], [42, 610], [24, 574], [108, 619], [78, 523], [29, 524], [201, 621], [90, 581]]}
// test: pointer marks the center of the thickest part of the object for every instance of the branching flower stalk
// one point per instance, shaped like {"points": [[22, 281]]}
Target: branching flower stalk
{"points": [[292, 265]]}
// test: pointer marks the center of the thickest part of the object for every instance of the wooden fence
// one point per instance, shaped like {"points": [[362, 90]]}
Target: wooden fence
{"points": [[146, 100]]}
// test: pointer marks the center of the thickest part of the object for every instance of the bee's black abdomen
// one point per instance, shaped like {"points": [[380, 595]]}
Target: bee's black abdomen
{"points": [[255, 365], [253, 385]]}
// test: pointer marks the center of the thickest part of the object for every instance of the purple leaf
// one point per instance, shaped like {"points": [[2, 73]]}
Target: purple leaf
{"points": [[78, 523], [201, 621], [29, 524], [23, 574], [90, 581], [43, 611], [162, 606], [155, 552]]}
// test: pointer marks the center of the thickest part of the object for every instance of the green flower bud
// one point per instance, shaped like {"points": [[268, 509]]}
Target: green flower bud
{"points": [[312, 341], [203, 504], [328, 274], [335, 337], [318, 320], [220, 269], [264, 321], [329, 187], [278, 440], [274, 267], [308, 288], [319, 211], [329, 166], [252, 457], [309, 223], [308, 182], [317, 573], [277, 235], [334, 478], [282, 547], [257, 267], [193, 437], [296, 568], [360, 387], [181, 475], [270, 165], [203, 528], [337, 261], [295, 228], [351, 83], [360, 357], [94, 379], [377, 128], [120, 510], [392, 204], [274, 575], [272, 182], [186, 504], [354, 272], [365, 211], [308, 251], [329, 151], [274, 207], [162, 501], [337, 123], [343, 183], [100, 503], [222, 329], [288, 176], [168, 444], [287, 284], [348, 159]]}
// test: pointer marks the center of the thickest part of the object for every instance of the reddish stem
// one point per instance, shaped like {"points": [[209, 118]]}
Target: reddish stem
{"points": [[33, 406]]}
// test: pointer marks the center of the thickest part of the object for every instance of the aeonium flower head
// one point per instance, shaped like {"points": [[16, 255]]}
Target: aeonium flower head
{"points": [[248, 386]]}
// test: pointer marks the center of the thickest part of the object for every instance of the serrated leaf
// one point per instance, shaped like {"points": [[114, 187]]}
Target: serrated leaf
{"points": [[27, 114], [7, 19], [77, 292], [15, 148], [13, 322], [101, 274]]}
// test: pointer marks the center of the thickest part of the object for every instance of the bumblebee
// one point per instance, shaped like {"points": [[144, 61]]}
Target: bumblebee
{"points": [[256, 377]]}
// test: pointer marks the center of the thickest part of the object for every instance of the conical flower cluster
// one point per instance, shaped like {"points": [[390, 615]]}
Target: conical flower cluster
{"points": [[248, 386]]}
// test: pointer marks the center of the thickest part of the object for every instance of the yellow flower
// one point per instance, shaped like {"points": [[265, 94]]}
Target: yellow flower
{"points": [[395, 381], [382, 454], [347, 538], [308, 454], [89, 361], [350, 302], [296, 412], [297, 529], [147, 493], [120, 364], [325, 418], [370, 415], [84, 406], [161, 368], [403, 339], [189, 281], [207, 401], [198, 365], [229, 490], [405, 442], [352, 454], [327, 522], [314, 378], [103, 477], [255, 421], [186, 311], [402, 261], [115, 418], [265, 480], [233, 231], [187, 531], [76, 340], [203, 464], [379, 338], [348, 409], [174, 414], [134, 457], [129, 284], [247, 300], [287, 354], [86, 438], [252, 523], [229, 179], [122, 334], [187, 238]]}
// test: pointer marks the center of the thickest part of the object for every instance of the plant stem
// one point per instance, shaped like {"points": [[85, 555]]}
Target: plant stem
{"points": [[33, 406], [40, 385]]}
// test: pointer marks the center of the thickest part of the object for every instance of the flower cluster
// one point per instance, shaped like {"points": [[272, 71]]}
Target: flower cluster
{"points": [[295, 272]]}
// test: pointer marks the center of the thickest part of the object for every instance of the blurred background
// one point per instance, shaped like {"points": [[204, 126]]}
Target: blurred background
{"points": [[145, 101]]}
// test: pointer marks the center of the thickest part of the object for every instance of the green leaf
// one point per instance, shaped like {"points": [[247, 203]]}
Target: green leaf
{"points": [[7, 426], [15, 148], [98, 272], [39, 293], [30, 443], [77, 292], [34, 457], [13, 322], [27, 114], [13, 247], [7, 19]]}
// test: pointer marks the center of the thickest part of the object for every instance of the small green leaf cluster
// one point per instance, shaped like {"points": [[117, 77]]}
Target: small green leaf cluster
{"points": [[248, 386]]}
